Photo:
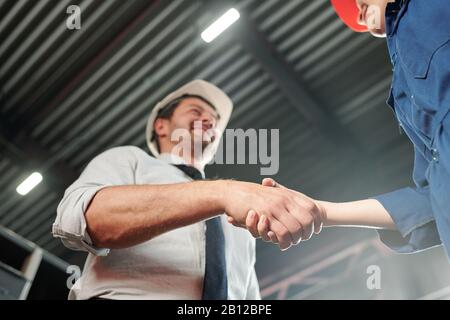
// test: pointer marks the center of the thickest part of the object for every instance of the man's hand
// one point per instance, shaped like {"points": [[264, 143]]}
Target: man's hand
{"points": [[277, 204], [308, 217], [288, 216]]}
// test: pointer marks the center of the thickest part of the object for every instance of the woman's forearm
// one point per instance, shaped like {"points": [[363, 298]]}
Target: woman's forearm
{"points": [[365, 213]]}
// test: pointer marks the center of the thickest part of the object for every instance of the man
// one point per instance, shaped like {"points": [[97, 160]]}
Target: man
{"points": [[154, 233], [418, 38]]}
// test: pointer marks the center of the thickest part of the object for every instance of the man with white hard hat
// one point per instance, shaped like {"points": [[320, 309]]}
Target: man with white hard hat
{"points": [[151, 231]]}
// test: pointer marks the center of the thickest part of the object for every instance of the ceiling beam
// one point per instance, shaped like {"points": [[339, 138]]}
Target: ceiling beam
{"points": [[289, 82], [293, 88]]}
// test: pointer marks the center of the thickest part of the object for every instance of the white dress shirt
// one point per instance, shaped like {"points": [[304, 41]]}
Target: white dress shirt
{"points": [[170, 266]]}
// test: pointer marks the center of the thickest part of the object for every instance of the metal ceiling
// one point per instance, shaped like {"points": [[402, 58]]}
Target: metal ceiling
{"points": [[67, 95]]}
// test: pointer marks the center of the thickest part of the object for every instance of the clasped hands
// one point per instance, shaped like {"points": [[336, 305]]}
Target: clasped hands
{"points": [[274, 213]]}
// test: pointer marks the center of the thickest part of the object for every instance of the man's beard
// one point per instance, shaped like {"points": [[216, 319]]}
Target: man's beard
{"points": [[200, 142], [201, 137]]}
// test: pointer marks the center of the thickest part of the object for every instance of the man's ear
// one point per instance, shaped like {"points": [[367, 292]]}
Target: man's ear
{"points": [[161, 127]]}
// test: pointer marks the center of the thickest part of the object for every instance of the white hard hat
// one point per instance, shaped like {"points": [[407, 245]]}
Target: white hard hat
{"points": [[221, 102]]}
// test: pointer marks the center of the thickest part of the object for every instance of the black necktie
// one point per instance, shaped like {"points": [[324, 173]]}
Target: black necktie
{"points": [[215, 280]]}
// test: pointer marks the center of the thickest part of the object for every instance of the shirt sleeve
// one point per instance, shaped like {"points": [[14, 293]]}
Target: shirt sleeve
{"points": [[411, 210], [111, 168]]}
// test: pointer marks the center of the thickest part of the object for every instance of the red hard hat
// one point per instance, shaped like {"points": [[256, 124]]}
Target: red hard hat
{"points": [[348, 11]]}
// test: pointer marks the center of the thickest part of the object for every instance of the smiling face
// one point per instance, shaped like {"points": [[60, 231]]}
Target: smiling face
{"points": [[194, 118], [372, 15]]}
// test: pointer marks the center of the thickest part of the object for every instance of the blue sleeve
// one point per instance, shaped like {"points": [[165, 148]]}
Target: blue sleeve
{"points": [[411, 210]]}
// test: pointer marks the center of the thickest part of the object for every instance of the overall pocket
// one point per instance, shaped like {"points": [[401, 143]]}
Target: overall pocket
{"points": [[423, 50], [422, 31]]}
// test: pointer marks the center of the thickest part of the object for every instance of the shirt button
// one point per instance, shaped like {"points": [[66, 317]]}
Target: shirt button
{"points": [[435, 155]]}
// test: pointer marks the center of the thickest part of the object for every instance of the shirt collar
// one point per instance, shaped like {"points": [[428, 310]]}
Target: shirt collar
{"points": [[174, 159], [394, 11]]}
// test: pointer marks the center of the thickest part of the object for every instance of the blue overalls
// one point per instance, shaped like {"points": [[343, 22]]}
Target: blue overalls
{"points": [[418, 37]]}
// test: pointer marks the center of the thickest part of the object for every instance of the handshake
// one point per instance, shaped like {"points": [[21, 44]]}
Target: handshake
{"points": [[273, 212]]}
